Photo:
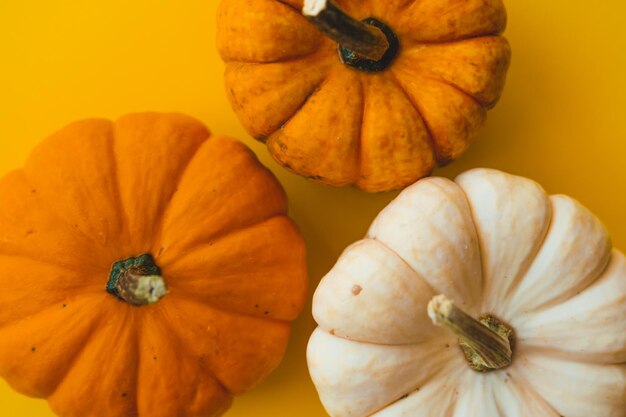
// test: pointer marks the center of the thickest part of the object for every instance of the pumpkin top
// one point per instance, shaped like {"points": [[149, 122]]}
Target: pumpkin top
{"points": [[537, 270], [322, 116], [155, 195]]}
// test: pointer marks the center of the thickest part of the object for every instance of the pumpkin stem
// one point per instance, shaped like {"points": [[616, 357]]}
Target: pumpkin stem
{"points": [[487, 343], [137, 281], [368, 42]]}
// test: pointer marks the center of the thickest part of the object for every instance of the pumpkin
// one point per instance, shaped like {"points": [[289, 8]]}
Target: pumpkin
{"points": [[147, 268], [527, 294], [379, 96]]}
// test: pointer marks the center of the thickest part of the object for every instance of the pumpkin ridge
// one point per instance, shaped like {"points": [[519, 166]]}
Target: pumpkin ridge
{"points": [[593, 275], [54, 214], [524, 270], [475, 230], [445, 42], [306, 55], [162, 216], [483, 285], [134, 339], [417, 274], [417, 44], [48, 390], [211, 367], [402, 8], [121, 210], [334, 71], [221, 234], [561, 299], [473, 303], [322, 66], [436, 79], [166, 318], [497, 30], [442, 80], [552, 352], [429, 132], [165, 323], [203, 272], [231, 231], [529, 388], [50, 263], [114, 329], [289, 6], [317, 87], [501, 61], [524, 267], [190, 298], [441, 160], [288, 14], [434, 376], [96, 320]]}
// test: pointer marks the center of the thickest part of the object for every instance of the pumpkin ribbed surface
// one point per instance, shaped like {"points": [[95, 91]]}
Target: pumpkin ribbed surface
{"points": [[202, 212], [496, 245], [377, 130]]}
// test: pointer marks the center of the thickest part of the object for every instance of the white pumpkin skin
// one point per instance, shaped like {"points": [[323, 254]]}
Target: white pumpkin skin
{"points": [[495, 244]]}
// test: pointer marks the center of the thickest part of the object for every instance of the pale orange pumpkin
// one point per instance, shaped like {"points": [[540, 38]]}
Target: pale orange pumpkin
{"points": [[189, 235], [412, 98]]}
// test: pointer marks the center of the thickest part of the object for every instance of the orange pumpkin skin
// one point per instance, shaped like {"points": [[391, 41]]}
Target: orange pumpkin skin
{"points": [[215, 221], [379, 131]]}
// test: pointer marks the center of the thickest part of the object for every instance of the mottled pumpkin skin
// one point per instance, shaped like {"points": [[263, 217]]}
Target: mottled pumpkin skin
{"points": [[378, 131], [215, 220]]}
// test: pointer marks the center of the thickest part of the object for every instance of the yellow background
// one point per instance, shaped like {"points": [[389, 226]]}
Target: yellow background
{"points": [[561, 120]]}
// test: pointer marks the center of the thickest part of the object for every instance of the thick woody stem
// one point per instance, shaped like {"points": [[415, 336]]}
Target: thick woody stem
{"points": [[366, 41], [487, 344]]}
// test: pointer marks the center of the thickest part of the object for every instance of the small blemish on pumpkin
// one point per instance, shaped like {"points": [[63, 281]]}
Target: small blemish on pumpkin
{"points": [[33, 349], [64, 305], [155, 358], [29, 232], [124, 394], [447, 345], [356, 290], [33, 191], [161, 249], [256, 306], [266, 313], [282, 146]]}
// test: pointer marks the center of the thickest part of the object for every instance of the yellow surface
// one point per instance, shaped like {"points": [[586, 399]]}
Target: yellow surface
{"points": [[562, 120]]}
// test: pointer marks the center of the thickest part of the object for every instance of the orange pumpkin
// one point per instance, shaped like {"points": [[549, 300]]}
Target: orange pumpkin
{"points": [[146, 269], [413, 96]]}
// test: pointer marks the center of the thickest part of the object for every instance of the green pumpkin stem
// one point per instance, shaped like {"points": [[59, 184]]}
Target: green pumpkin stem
{"points": [[487, 343], [137, 281], [365, 40]]}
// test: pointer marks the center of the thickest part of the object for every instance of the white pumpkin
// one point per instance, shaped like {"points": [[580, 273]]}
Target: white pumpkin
{"points": [[493, 244]]}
